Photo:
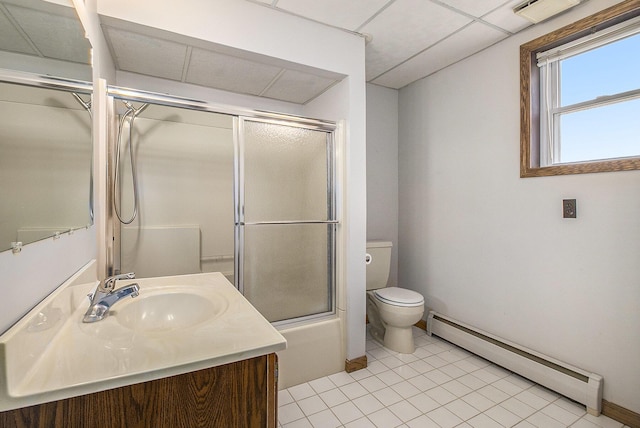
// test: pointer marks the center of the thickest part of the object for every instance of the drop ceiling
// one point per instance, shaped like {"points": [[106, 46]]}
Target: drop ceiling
{"points": [[43, 30], [409, 39]]}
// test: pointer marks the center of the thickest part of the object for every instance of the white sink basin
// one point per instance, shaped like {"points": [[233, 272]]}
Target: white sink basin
{"points": [[161, 311], [176, 325]]}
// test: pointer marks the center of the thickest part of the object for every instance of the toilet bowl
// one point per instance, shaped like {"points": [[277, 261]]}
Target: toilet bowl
{"points": [[391, 311]]}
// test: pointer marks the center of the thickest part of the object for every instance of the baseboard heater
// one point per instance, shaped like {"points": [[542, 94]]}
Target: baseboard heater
{"points": [[572, 382]]}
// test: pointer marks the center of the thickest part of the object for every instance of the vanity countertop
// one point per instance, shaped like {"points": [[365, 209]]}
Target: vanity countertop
{"points": [[51, 354]]}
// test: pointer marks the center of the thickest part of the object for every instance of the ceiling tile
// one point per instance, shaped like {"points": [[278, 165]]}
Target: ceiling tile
{"points": [[230, 73], [344, 14], [464, 43], [146, 55], [476, 8], [404, 29], [11, 39], [298, 87], [58, 36], [505, 18]]}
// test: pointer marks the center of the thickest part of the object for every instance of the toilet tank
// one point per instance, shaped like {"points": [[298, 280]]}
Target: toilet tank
{"points": [[379, 254]]}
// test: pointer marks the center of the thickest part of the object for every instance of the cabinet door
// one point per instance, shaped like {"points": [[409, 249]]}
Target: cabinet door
{"points": [[236, 395]]}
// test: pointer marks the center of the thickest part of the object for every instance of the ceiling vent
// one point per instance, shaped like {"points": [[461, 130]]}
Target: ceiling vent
{"points": [[539, 10]]}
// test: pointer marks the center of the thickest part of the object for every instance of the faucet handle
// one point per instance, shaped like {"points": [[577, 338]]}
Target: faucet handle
{"points": [[110, 282]]}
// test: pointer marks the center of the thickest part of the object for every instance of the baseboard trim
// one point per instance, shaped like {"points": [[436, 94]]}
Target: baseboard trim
{"points": [[620, 414], [611, 410], [355, 364]]}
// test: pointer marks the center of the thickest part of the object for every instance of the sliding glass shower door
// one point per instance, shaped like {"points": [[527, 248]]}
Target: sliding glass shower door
{"points": [[285, 219]]}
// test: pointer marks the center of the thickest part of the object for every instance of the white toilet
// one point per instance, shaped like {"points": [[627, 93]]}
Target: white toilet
{"points": [[392, 311]]}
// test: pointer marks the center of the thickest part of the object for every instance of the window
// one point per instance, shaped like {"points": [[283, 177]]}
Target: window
{"points": [[580, 96]]}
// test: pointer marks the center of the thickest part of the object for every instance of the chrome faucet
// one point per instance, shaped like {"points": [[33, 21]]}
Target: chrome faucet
{"points": [[105, 296]]}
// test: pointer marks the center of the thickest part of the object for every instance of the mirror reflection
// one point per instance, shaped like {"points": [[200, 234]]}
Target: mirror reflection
{"points": [[45, 163], [43, 37]]}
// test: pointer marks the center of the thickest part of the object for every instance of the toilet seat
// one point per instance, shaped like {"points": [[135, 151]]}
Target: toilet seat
{"points": [[397, 296]]}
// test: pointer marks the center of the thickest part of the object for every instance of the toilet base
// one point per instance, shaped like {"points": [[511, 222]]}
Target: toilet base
{"points": [[399, 339]]}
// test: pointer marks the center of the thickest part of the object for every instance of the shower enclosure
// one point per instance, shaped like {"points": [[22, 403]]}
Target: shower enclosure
{"points": [[202, 189]]}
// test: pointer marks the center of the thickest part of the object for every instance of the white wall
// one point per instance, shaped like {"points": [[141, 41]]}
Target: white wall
{"points": [[491, 249], [382, 170]]}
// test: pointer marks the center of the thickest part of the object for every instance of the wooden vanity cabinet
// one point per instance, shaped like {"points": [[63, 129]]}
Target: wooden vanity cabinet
{"points": [[240, 394]]}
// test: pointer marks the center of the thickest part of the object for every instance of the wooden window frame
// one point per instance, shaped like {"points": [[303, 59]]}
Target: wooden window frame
{"points": [[530, 94]]}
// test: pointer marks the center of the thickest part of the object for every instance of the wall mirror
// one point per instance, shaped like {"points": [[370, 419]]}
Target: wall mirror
{"points": [[45, 122]]}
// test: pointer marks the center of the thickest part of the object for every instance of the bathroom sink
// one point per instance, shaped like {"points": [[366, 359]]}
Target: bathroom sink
{"points": [[161, 310]]}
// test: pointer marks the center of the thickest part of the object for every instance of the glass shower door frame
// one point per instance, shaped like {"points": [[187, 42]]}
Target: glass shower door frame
{"points": [[331, 221]]}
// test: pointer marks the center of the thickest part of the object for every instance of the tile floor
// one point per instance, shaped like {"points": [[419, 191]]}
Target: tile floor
{"points": [[439, 385]]}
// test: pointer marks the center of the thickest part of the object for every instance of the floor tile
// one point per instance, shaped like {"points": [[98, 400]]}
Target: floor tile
{"points": [[376, 367], [438, 376], [439, 385], [560, 414], [353, 390], [284, 397], [532, 400], [300, 423], [519, 381], [421, 366], [503, 416], [543, 421], [347, 412], [453, 371], [391, 362], [456, 388], [444, 417], [462, 409], [544, 393], [517, 407], [289, 413], [507, 387], [361, 374], [384, 419], [311, 405], [524, 424], [603, 421], [324, 419], [583, 423], [321, 385], [423, 402], [379, 353], [422, 422], [360, 423], [301, 391], [388, 396], [483, 421], [441, 395], [422, 383], [486, 375], [405, 389], [372, 384], [571, 406], [390, 377], [478, 401], [405, 372], [493, 394], [341, 379], [404, 411], [333, 397], [368, 404], [471, 381], [435, 361], [466, 365]]}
